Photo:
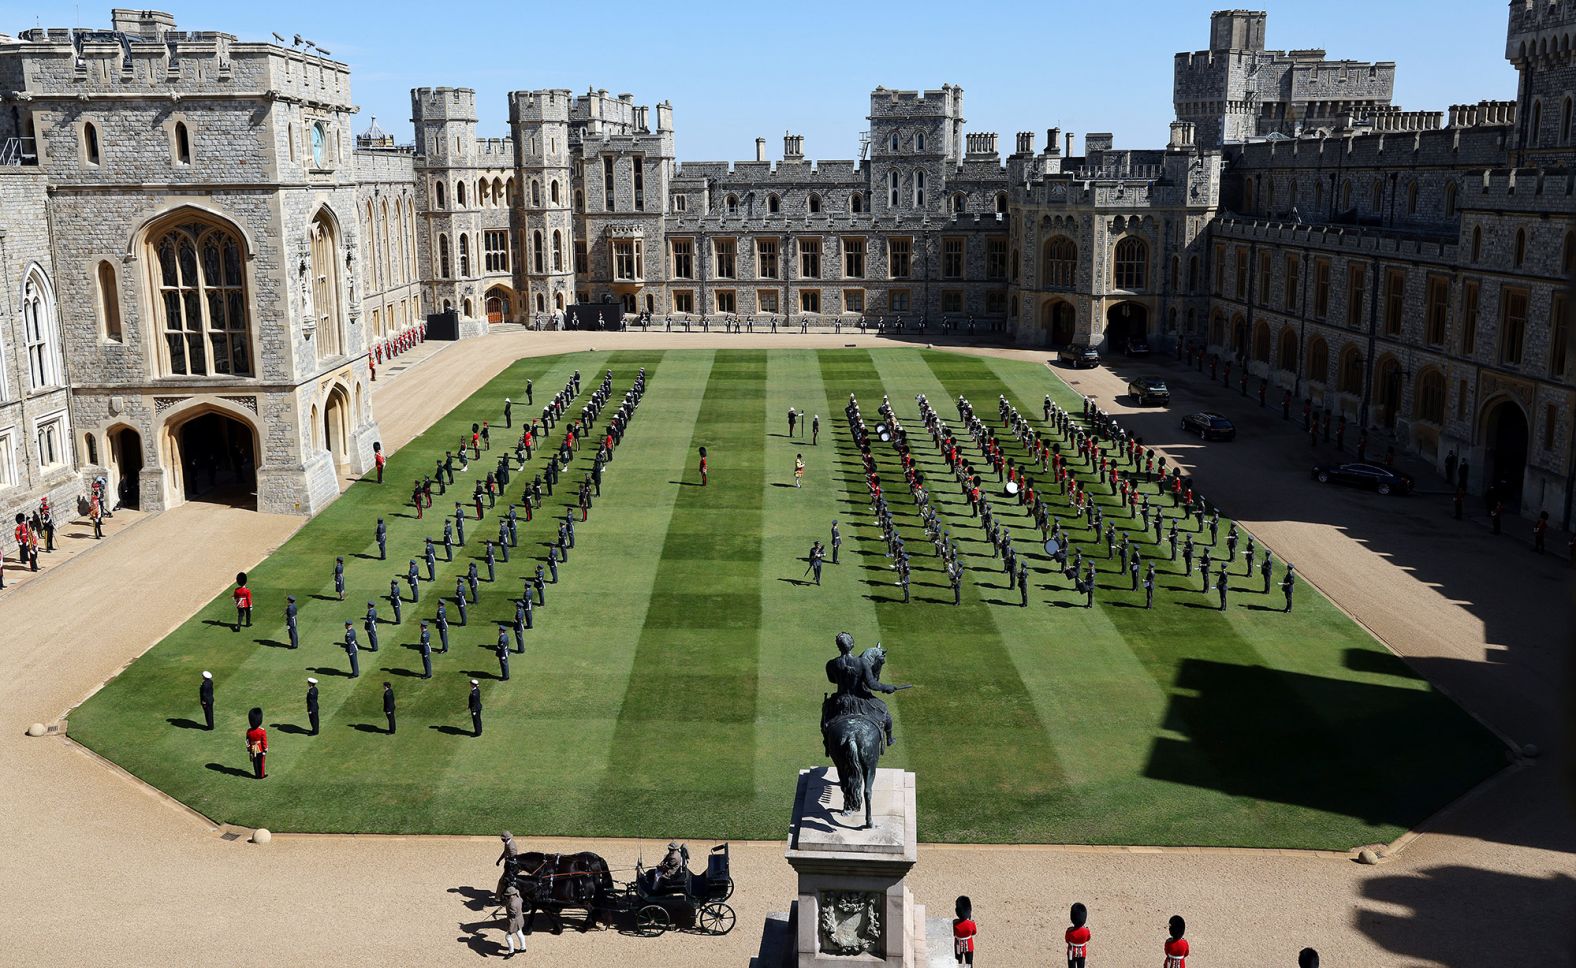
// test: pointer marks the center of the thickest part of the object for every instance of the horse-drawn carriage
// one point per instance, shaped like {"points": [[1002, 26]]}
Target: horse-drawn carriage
{"points": [[658, 899], [661, 899]]}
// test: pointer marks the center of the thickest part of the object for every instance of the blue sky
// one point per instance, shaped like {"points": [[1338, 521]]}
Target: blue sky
{"points": [[739, 70]]}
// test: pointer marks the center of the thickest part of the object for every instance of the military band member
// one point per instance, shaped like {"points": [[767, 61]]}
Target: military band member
{"points": [[339, 578], [459, 599], [430, 553], [472, 580], [552, 563], [1149, 587], [413, 579], [525, 602], [541, 587], [394, 599], [425, 645], [519, 626], [459, 521], [1023, 584], [311, 705], [1220, 586], [503, 541], [448, 541], [955, 577], [290, 622]]}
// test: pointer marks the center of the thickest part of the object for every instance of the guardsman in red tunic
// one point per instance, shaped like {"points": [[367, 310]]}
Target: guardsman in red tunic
{"points": [[703, 467], [1176, 945], [257, 743], [963, 931], [243, 602], [380, 459], [1078, 937]]}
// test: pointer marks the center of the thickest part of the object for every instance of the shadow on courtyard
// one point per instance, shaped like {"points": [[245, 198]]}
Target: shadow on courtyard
{"points": [[1464, 917]]}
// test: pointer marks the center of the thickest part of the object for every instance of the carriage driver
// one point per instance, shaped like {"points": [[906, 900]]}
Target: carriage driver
{"points": [[671, 870], [857, 678]]}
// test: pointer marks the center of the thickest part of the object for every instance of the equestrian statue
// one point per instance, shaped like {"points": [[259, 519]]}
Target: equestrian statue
{"points": [[855, 725]]}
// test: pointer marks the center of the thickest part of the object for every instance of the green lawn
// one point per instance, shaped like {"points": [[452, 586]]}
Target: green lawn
{"points": [[672, 684]]}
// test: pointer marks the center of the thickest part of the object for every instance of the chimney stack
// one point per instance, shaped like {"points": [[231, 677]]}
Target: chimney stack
{"points": [[1069, 144], [793, 147], [760, 149]]}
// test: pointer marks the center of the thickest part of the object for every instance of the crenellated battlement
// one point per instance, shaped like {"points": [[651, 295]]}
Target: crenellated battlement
{"points": [[443, 103], [1539, 29], [890, 105], [548, 106], [1482, 146], [1349, 239]]}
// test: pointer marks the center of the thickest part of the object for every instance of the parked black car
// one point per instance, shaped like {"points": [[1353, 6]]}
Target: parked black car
{"points": [[1078, 355], [1147, 390], [1137, 347], [1209, 426], [1372, 476]]}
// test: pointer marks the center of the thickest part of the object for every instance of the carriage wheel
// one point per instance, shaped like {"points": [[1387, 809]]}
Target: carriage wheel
{"points": [[727, 888], [715, 917], [652, 920]]}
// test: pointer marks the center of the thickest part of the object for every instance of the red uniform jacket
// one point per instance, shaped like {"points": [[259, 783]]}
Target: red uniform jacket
{"points": [[963, 934], [257, 738], [1078, 942], [243, 597], [1176, 953]]}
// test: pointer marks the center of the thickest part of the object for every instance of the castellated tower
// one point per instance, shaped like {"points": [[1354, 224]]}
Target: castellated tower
{"points": [[446, 157], [915, 138], [1538, 45], [543, 220]]}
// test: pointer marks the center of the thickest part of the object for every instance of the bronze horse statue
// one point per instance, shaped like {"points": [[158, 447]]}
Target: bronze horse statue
{"points": [[856, 726], [553, 882]]}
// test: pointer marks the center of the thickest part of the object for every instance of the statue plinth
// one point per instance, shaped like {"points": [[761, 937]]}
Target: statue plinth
{"points": [[854, 907]]}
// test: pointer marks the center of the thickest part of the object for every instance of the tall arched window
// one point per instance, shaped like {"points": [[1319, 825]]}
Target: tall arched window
{"points": [[552, 191], [773, 204], [1566, 120], [558, 251], [459, 194], [919, 141], [386, 263], [892, 184], [201, 307], [443, 257], [1411, 198], [368, 235], [814, 202], [1431, 397], [108, 301], [731, 203], [1319, 360], [919, 188], [407, 242], [183, 144], [537, 260], [1261, 342], [1477, 242], [960, 203], [438, 195], [325, 286], [1376, 202], [1001, 203], [1132, 263], [1450, 200], [1288, 349], [893, 142], [856, 203], [536, 193], [1520, 254], [90, 143], [38, 332], [1535, 129], [1059, 265], [465, 255]]}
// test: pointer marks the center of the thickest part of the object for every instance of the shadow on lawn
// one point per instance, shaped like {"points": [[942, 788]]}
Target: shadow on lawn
{"points": [[230, 770], [1288, 737], [181, 722]]}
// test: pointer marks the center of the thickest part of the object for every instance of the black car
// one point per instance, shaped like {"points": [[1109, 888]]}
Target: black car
{"points": [[1209, 426], [1147, 390], [1078, 355], [1137, 347], [1372, 476]]}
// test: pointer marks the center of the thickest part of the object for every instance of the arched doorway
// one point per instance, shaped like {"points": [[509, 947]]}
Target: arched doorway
{"points": [[1126, 323], [499, 304], [213, 457], [1389, 382], [125, 459], [336, 425], [1505, 451], [1059, 321]]}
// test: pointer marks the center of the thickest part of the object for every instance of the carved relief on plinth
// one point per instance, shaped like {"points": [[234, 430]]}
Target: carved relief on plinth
{"points": [[850, 922]]}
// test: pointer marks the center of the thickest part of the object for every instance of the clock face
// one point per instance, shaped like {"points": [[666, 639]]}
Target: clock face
{"points": [[318, 137]]}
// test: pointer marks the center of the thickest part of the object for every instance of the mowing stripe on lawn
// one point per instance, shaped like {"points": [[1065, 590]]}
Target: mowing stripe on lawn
{"points": [[687, 723], [959, 656]]}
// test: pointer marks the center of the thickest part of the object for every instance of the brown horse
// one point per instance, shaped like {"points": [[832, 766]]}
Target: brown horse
{"points": [[553, 882]]}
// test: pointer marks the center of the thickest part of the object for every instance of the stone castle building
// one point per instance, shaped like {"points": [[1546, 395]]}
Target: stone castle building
{"points": [[207, 306]]}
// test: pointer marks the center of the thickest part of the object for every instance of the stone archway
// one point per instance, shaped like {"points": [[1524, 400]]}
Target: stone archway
{"points": [[125, 464], [1505, 442], [499, 304], [212, 457], [1058, 322], [336, 426], [1126, 323]]}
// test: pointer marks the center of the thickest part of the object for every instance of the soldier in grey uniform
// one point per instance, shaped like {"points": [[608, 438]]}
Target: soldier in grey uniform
{"points": [[290, 622], [955, 576], [311, 704], [503, 539], [552, 563], [475, 703], [501, 650], [370, 623], [425, 645], [519, 625], [1264, 568], [448, 541], [1088, 587], [1149, 587], [383, 540], [394, 599], [492, 563], [837, 541], [413, 579], [351, 649], [1220, 586], [339, 578], [459, 522], [472, 580], [541, 587], [1289, 582], [1023, 584], [442, 622], [431, 556]]}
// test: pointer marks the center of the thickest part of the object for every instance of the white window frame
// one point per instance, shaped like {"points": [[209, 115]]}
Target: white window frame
{"points": [[40, 332], [61, 424], [7, 458]]}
